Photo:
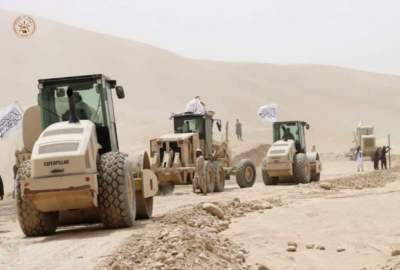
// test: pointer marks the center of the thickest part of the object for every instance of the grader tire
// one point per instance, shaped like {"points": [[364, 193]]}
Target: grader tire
{"points": [[32, 221], [301, 169], [268, 180], [315, 176], [200, 177], [210, 174], [144, 206], [246, 173], [117, 203], [203, 185], [165, 188], [220, 181]]}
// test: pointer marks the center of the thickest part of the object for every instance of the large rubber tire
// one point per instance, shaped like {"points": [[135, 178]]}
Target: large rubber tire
{"points": [[301, 169], [117, 203], [245, 173], [268, 181], [165, 188], [144, 206], [220, 181], [211, 177], [203, 185], [32, 221], [315, 176], [200, 179]]}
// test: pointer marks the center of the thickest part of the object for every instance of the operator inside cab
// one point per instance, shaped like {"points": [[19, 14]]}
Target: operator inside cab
{"points": [[83, 110], [287, 135], [186, 127]]}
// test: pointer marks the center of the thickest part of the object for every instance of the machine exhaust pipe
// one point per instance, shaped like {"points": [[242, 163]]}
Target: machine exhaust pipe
{"points": [[73, 116]]}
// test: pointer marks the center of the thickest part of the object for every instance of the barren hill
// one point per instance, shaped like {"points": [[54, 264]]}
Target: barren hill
{"points": [[157, 82]]}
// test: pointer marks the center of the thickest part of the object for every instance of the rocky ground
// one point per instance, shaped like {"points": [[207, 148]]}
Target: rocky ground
{"points": [[190, 238], [345, 222]]}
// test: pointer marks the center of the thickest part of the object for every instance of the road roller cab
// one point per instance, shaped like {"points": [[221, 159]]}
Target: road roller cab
{"points": [[72, 162]]}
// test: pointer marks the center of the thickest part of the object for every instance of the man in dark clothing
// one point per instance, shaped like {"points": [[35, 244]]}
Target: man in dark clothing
{"points": [[287, 135], [1, 189], [15, 170], [384, 151], [376, 157], [238, 130]]}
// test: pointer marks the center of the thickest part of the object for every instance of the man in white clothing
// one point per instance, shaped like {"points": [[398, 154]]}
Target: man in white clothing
{"points": [[195, 106]]}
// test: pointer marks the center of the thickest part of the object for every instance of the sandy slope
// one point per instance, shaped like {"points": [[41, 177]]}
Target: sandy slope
{"points": [[159, 82]]}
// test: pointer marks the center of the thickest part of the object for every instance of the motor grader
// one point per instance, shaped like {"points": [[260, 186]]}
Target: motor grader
{"points": [[287, 158], [176, 156], [71, 162]]}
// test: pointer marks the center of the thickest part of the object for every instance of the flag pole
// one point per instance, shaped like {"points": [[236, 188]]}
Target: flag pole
{"points": [[390, 158], [19, 106]]}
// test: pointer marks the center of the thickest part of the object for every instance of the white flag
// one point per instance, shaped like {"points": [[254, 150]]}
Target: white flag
{"points": [[10, 119], [268, 113]]}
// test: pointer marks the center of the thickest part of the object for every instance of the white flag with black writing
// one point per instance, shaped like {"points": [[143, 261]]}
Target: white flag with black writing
{"points": [[268, 113], [10, 119]]}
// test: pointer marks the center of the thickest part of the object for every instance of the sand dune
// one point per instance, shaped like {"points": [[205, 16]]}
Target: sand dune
{"points": [[158, 82]]}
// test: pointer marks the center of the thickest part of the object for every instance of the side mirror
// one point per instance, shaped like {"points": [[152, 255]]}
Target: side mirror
{"points": [[307, 126], [120, 92], [219, 125]]}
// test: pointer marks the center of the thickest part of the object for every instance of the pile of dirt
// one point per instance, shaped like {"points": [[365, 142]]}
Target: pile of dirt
{"points": [[189, 238], [255, 154], [365, 180]]}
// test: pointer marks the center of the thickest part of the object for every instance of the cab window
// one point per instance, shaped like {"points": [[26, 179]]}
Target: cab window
{"points": [[189, 125], [88, 102], [287, 131]]}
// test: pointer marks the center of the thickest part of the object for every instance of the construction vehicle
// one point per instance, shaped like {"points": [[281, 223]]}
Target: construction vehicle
{"points": [[365, 139], [71, 160], [287, 158], [175, 162]]}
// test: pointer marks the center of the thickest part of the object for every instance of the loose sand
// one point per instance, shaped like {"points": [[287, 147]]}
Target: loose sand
{"points": [[360, 218]]}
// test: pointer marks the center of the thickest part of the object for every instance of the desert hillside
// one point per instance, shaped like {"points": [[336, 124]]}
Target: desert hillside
{"points": [[157, 82]]}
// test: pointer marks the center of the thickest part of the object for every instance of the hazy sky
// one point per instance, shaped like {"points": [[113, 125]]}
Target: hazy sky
{"points": [[363, 34]]}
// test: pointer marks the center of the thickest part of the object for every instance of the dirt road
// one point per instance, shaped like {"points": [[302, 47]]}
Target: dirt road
{"points": [[364, 221]]}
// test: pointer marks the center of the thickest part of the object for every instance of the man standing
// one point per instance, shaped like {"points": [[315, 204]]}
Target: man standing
{"points": [[385, 150], [199, 179], [238, 130], [376, 157], [359, 160], [15, 171], [1, 189]]}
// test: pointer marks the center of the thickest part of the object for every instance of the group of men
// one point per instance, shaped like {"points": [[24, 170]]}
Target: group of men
{"points": [[380, 156]]}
